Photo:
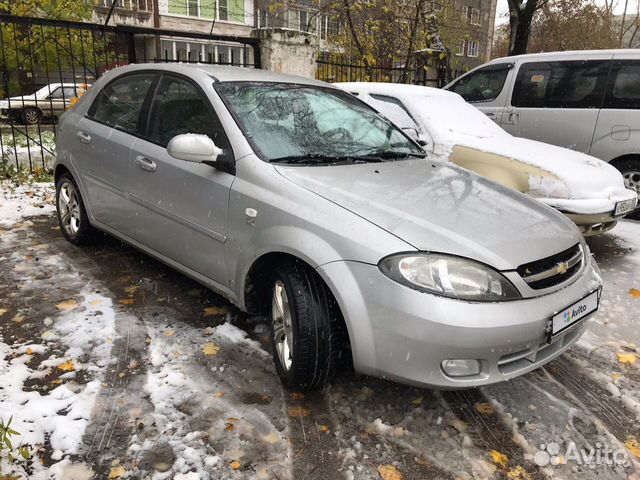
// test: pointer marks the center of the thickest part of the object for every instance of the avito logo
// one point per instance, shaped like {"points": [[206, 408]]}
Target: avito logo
{"points": [[570, 315]]}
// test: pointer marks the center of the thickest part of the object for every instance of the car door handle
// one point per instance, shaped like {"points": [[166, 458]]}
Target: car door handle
{"points": [[490, 115], [84, 137], [145, 164]]}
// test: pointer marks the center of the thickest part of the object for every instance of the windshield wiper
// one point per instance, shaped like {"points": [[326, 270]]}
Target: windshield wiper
{"points": [[390, 155], [318, 159]]}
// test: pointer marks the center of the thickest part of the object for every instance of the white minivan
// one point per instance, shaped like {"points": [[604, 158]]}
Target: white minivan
{"points": [[588, 101]]}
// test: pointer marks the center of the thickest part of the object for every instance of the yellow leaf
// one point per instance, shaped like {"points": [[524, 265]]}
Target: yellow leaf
{"points": [[29, 351], [67, 305], [67, 366], [18, 318], [210, 349], [235, 465], [417, 402], [616, 376], [299, 411], [633, 446], [3, 311], [518, 473], [95, 302], [272, 438], [218, 394], [499, 459], [213, 311], [634, 292], [484, 407], [323, 428], [117, 472], [389, 472], [169, 333], [626, 358], [126, 301], [297, 395], [132, 289]]}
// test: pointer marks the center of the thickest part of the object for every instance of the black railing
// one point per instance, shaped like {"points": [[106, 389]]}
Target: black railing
{"points": [[46, 64]]}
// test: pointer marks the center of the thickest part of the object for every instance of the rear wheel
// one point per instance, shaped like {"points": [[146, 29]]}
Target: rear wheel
{"points": [[72, 215], [630, 169], [306, 327], [31, 115]]}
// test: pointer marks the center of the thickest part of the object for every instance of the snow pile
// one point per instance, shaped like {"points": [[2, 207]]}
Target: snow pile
{"points": [[62, 414], [17, 202]]}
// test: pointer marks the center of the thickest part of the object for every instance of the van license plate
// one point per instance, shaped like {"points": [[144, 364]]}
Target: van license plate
{"points": [[574, 313], [624, 207]]}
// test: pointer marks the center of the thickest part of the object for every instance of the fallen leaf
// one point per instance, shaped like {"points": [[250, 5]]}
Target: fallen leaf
{"points": [[133, 364], [29, 351], [484, 407], [210, 349], [213, 311], [297, 395], [235, 465], [518, 473], [3, 311], [417, 402], [169, 333], [218, 394], [626, 358], [634, 292], [616, 376], [66, 366], [131, 290], [499, 459], [117, 472], [633, 446], [298, 411], [389, 472], [323, 428], [18, 318], [229, 427], [67, 305], [126, 301], [271, 438]]}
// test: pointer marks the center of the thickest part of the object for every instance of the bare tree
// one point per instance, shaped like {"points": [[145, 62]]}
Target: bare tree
{"points": [[521, 14]]}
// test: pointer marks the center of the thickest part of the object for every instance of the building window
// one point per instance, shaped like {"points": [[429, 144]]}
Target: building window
{"points": [[192, 8], [461, 48], [473, 15], [471, 48], [232, 10]]}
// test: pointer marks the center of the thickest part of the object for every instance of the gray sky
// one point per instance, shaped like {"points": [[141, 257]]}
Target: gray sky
{"points": [[503, 9]]}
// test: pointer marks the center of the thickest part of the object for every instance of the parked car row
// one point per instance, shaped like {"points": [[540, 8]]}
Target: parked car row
{"points": [[588, 101], [48, 102], [295, 199]]}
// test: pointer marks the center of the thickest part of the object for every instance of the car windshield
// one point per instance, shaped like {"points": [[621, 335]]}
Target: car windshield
{"points": [[303, 124]]}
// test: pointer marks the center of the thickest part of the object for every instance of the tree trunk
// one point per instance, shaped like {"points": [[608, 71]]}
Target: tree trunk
{"points": [[520, 18]]}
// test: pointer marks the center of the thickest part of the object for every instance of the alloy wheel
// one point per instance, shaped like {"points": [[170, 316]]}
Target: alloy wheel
{"points": [[69, 208], [632, 180], [282, 325], [31, 116]]}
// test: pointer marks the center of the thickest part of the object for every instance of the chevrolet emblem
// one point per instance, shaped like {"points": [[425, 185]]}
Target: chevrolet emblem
{"points": [[562, 268]]}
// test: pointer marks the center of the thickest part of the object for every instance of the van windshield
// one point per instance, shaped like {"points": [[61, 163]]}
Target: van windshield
{"points": [[312, 125]]}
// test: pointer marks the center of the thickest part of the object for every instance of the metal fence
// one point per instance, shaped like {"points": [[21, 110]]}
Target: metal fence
{"points": [[334, 68], [46, 64]]}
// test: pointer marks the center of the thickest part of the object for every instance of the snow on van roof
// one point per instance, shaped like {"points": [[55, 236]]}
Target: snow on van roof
{"points": [[581, 54]]}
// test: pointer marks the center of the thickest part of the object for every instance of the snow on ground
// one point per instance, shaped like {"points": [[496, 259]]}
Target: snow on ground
{"points": [[19, 202]]}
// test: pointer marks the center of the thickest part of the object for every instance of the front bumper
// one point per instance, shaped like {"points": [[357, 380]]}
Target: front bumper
{"points": [[404, 335]]}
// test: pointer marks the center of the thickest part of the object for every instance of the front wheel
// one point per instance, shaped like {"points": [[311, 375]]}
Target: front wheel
{"points": [[72, 215], [31, 115], [630, 170], [305, 327]]}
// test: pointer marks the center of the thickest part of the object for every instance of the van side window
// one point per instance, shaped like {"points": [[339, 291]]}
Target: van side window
{"points": [[572, 84], [484, 84], [623, 90]]}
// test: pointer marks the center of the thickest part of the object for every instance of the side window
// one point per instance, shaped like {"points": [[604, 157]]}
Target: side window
{"points": [[120, 102], [69, 92], [56, 94], [394, 110], [179, 107], [575, 84], [623, 90], [482, 85]]}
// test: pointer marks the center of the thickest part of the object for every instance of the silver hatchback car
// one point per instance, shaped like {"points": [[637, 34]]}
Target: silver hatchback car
{"points": [[293, 198]]}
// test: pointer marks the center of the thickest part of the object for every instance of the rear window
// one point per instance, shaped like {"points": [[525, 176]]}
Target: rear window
{"points": [[623, 90], [574, 84]]}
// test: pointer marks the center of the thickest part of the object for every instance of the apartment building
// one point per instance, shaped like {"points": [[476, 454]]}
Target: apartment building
{"points": [[474, 35]]}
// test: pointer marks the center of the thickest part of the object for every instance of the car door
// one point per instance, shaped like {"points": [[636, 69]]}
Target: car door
{"points": [[486, 88], [57, 102], [181, 207], [104, 138], [618, 128], [557, 102]]}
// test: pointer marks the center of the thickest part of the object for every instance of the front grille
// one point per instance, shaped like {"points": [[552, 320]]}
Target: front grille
{"points": [[553, 270]]}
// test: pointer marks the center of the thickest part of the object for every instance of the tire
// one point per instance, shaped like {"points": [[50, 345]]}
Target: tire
{"points": [[308, 355], [31, 115], [630, 169], [72, 215]]}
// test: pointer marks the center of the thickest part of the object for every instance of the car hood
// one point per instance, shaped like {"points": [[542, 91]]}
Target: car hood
{"points": [[435, 206]]}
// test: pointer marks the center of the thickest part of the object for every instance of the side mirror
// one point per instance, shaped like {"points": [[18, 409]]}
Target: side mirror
{"points": [[423, 142], [192, 147]]}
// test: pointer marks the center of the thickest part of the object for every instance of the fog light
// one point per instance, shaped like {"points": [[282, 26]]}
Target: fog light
{"points": [[460, 368]]}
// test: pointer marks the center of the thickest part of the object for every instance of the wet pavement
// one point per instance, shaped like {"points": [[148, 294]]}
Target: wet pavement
{"points": [[184, 395]]}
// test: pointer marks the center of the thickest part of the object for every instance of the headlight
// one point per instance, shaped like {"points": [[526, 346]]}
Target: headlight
{"points": [[449, 276]]}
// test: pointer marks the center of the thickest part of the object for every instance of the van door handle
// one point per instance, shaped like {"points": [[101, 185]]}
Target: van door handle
{"points": [[84, 137], [490, 115], [514, 118], [145, 164]]}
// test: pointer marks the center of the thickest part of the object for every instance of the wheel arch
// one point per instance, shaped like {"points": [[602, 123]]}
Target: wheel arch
{"points": [[623, 158]]}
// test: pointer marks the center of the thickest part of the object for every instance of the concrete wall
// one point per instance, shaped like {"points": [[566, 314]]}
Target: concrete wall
{"points": [[288, 51]]}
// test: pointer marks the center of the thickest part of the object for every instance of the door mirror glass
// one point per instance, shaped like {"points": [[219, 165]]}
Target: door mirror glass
{"points": [[193, 147]]}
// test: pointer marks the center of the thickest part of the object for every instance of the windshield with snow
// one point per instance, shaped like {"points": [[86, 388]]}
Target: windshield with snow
{"points": [[302, 124]]}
